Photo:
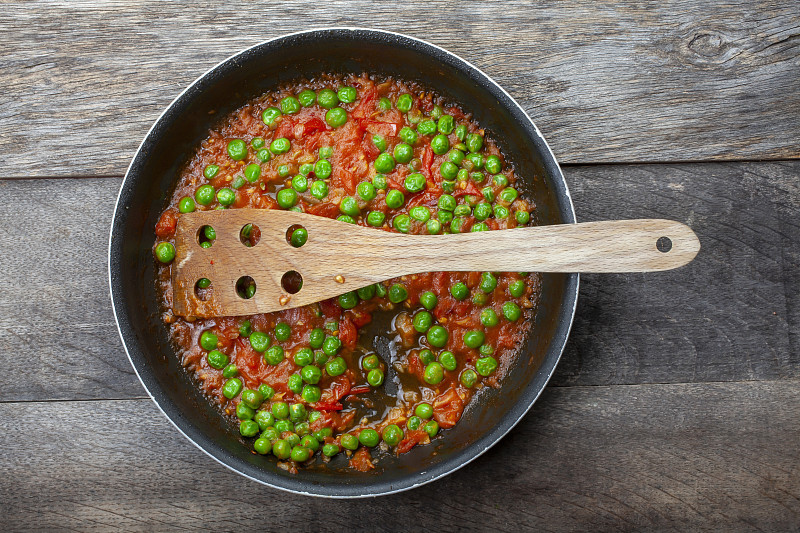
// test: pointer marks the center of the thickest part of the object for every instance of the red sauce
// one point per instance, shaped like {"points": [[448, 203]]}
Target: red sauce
{"points": [[347, 404]]}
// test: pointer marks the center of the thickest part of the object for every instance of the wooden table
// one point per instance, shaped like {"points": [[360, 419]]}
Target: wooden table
{"points": [[677, 402]]}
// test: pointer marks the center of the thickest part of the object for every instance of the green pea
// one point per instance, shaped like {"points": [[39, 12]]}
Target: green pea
{"points": [[322, 170], [323, 433], [290, 105], [480, 226], [424, 410], [237, 149], [428, 300], [445, 124], [307, 98], [208, 340], [448, 360], [217, 359], [336, 367], [375, 377], [426, 356], [489, 318], [516, 288], [230, 371], [486, 349], [384, 163], [316, 338], [232, 388], [366, 293], [415, 182], [474, 338], [475, 162], [297, 411], [238, 182], [448, 170], [432, 428], [264, 419], [404, 103], [203, 283], [380, 182], [282, 331], [500, 180], [211, 171], [286, 198], [310, 442], [332, 345], [468, 378], [380, 290], [486, 366], [402, 223], [349, 442], [259, 341], [280, 145], [226, 196], [474, 142], [349, 206], [462, 211], [274, 355], [311, 393], [482, 211], [459, 291], [440, 144], [408, 136], [493, 164], [348, 300], [252, 398], [437, 336], [420, 213], [500, 211], [347, 95], [300, 454], [511, 311], [403, 153], [379, 142], [283, 171], [319, 189], [204, 194], [299, 237], [270, 114], [426, 127], [434, 373], [384, 104], [284, 425], [262, 446], [280, 410], [370, 362], [461, 132], [463, 175], [457, 224], [248, 428], [488, 282], [434, 227], [330, 450], [327, 99], [266, 391], [423, 321], [336, 117], [477, 177], [300, 183], [523, 217], [244, 412], [165, 252], [271, 434], [392, 434], [369, 437], [413, 423], [281, 449], [395, 199], [263, 155], [303, 357], [376, 218], [397, 293], [508, 195], [186, 205]]}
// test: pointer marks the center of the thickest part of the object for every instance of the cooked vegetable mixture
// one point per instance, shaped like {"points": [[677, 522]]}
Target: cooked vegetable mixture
{"points": [[309, 384]]}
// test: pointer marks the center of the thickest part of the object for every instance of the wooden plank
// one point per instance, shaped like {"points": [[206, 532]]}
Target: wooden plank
{"points": [[652, 457], [732, 314], [83, 81]]}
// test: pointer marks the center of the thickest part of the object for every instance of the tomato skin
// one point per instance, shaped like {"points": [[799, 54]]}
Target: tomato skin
{"points": [[361, 460]]}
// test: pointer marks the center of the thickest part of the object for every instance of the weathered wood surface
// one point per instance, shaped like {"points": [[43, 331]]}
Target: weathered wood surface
{"points": [[606, 82], [732, 314], [657, 457]]}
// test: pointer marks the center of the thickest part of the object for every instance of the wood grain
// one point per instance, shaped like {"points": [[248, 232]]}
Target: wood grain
{"points": [[605, 82], [652, 457], [340, 257], [731, 314]]}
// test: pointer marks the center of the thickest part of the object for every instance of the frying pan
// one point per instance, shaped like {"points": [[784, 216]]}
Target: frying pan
{"points": [[151, 178]]}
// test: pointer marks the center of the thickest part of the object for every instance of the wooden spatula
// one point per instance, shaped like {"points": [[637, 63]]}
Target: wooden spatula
{"points": [[339, 257]]}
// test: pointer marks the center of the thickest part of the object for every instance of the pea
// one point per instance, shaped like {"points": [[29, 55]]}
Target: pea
{"points": [[263, 155], [489, 318], [349, 206], [428, 300], [437, 336], [270, 114], [217, 359], [474, 142], [500, 180], [165, 252], [369, 437], [230, 371], [307, 98], [259, 341], [434, 373], [286, 198], [403, 153], [523, 217], [319, 189], [461, 132], [300, 454], [280, 410], [366, 293], [397, 293], [336, 117], [237, 149], [415, 182], [299, 237], [379, 142], [310, 442], [413, 423], [316, 338], [271, 434], [380, 290], [423, 321], [283, 171], [426, 356], [475, 163], [262, 446], [376, 218], [420, 213], [477, 177], [488, 282], [457, 224], [266, 391], [232, 388], [516, 288], [311, 393], [348, 300], [462, 210], [186, 205], [480, 226], [327, 98], [432, 428], [486, 349], [330, 450], [264, 419], [482, 211], [281, 145], [244, 412], [463, 175], [440, 145], [408, 136], [379, 181], [370, 362], [511, 311], [474, 338], [395, 199], [347, 95], [203, 283], [486, 366], [500, 211], [204, 194], [297, 411], [284, 425], [392, 434], [448, 360], [211, 171], [303, 357], [346, 218], [404, 103], [290, 105], [323, 433], [434, 227], [384, 104], [252, 398], [349, 442], [459, 291], [424, 410], [375, 377], [274, 355], [446, 124], [508, 195], [384, 163], [300, 183], [448, 170], [493, 164], [281, 449], [282, 331], [248, 428], [226, 196], [208, 340], [336, 367], [426, 127]]}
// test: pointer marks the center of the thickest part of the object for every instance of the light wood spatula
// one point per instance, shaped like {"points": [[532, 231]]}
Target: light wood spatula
{"points": [[339, 257]]}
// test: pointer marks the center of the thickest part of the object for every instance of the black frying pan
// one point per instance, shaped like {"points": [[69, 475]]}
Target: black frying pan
{"points": [[152, 176]]}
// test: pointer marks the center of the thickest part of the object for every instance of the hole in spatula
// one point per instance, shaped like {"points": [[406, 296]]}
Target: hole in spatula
{"points": [[664, 244], [296, 235], [250, 235], [246, 287], [206, 236], [202, 289], [292, 282]]}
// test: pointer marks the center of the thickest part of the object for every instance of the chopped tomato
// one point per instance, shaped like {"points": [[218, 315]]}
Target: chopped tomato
{"points": [[413, 437], [361, 460], [165, 227]]}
